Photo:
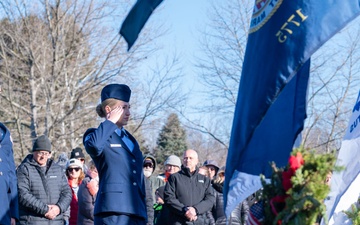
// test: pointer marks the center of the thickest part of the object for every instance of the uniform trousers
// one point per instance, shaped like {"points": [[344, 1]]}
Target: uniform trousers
{"points": [[118, 219]]}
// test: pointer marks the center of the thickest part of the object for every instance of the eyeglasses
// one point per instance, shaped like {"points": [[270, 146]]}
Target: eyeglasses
{"points": [[82, 160], [148, 165], [169, 166], [43, 153], [71, 169]]}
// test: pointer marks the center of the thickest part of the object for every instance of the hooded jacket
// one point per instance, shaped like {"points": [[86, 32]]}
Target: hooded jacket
{"points": [[155, 183], [152, 159], [150, 193]]}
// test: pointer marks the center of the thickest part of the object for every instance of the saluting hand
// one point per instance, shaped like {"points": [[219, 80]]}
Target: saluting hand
{"points": [[115, 114]]}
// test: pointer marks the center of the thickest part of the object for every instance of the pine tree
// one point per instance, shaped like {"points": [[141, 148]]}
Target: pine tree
{"points": [[171, 140]]}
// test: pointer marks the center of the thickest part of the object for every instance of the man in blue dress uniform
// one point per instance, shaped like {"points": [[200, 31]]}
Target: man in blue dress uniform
{"points": [[118, 159]]}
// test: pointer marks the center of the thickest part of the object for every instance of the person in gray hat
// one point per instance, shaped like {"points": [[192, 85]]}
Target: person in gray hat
{"points": [[171, 165], [44, 193]]}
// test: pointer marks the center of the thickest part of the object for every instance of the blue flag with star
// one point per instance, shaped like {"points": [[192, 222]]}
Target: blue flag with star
{"points": [[271, 104]]}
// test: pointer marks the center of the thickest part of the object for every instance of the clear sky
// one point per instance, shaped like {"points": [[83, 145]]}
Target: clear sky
{"points": [[183, 18]]}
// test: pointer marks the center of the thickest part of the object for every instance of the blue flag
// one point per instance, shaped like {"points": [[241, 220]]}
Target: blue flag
{"points": [[136, 19], [271, 104]]}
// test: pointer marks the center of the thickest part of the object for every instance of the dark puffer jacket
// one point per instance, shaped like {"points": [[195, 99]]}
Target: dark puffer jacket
{"points": [[86, 204], [39, 187], [238, 215]]}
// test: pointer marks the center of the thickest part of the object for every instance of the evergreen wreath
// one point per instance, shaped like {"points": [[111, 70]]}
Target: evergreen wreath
{"points": [[295, 194]]}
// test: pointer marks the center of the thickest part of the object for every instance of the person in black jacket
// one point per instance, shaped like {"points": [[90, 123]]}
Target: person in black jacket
{"points": [[44, 193], [148, 169], [188, 194], [158, 207], [238, 216], [87, 196]]}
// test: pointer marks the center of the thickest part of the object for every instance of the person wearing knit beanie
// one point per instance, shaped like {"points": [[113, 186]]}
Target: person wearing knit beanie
{"points": [[42, 143], [40, 179], [171, 165], [77, 153], [42, 150]]}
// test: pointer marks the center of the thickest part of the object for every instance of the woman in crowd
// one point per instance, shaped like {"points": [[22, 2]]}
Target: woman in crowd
{"points": [[238, 216], [75, 175], [87, 196]]}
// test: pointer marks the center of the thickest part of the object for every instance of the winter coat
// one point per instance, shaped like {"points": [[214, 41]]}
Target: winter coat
{"points": [[149, 202], [237, 217], [86, 204], [8, 181], [153, 181], [39, 187], [185, 189]]}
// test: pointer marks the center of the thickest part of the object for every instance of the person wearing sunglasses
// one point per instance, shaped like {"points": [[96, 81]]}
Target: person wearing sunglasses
{"points": [[75, 175], [77, 153], [44, 193], [87, 195], [119, 161]]}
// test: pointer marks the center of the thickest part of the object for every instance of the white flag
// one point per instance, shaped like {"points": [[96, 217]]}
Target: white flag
{"points": [[345, 184]]}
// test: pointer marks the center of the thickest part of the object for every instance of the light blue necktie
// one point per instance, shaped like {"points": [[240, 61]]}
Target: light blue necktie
{"points": [[123, 135]]}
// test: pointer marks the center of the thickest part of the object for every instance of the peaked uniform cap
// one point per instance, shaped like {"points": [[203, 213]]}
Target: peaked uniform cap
{"points": [[118, 91]]}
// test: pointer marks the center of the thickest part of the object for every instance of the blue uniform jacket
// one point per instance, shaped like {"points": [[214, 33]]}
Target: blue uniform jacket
{"points": [[121, 185], [8, 181]]}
